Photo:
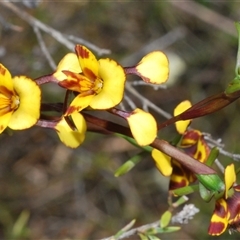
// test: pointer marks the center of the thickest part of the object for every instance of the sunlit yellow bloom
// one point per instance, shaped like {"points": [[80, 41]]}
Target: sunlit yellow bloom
{"points": [[227, 209], [153, 68], [19, 101], [143, 126], [100, 83], [72, 136], [181, 126]]}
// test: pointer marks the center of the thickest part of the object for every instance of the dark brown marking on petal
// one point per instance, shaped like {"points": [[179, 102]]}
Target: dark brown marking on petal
{"points": [[216, 228], [175, 185], [5, 110], [5, 91], [233, 204], [70, 110], [88, 73], [2, 70], [70, 85], [220, 210], [81, 52], [73, 81], [199, 156]]}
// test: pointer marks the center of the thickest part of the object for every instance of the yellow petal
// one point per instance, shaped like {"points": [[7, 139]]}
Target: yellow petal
{"points": [[143, 126], [70, 63], [154, 67], [28, 111], [4, 121], [6, 83], [163, 162], [229, 178], [67, 135], [181, 126], [88, 62], [114, 78], [79, 102]]}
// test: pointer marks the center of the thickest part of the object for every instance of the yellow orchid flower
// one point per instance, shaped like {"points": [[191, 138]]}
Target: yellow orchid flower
{"points": [[99, 83], [20, 99], [226, 213]]}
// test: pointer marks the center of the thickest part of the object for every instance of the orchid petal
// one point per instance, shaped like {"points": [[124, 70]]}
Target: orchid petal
{"points": [[4, 120], [28, 111], [114, 78], [219, 220], [69, 63], [5, 80], [153, 68], [87, 61], [229, 178], [181, 126], [72, 138], [163, 162], [80, 102], [143, 126]]}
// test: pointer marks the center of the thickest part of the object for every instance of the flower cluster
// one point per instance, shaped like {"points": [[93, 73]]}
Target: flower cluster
{"points": [[192, 143], [94, 85], [98, 85]]}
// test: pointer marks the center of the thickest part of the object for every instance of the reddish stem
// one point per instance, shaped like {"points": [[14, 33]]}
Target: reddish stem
{"points": [[104, 126], [46, 79]]}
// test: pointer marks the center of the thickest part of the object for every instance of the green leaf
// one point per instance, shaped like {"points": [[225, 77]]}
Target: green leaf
{"points": [[185, 190], [142, 236], [127, 166], [180, 201], [205, 194], [211, 181], [233, 86], [158, 230], [152, 237], [20, 229], [212, 156], [165, 219], [172, 229], [134, 143], [126, 228]]}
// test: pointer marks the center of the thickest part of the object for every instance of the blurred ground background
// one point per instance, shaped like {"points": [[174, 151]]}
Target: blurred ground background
{"points": [[73, 194]]}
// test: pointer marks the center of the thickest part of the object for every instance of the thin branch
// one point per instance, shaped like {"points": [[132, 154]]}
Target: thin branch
{"points": [[129, 101], [8, 25], [36, 23], [147, 102], [44, 48], [135, 231], [51, 31], [161, 43]]}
